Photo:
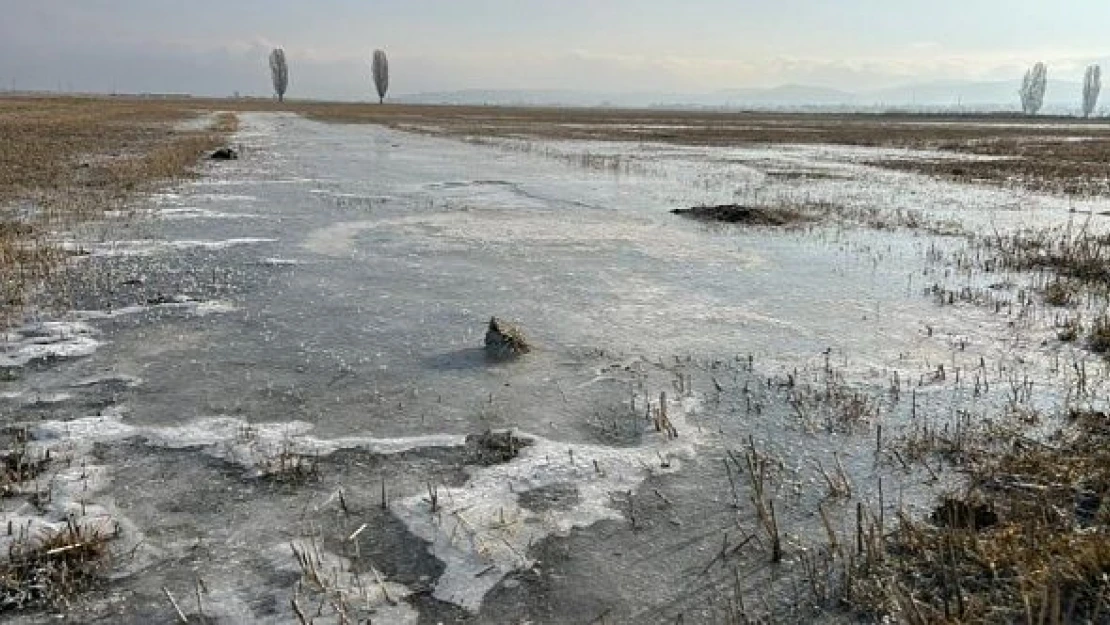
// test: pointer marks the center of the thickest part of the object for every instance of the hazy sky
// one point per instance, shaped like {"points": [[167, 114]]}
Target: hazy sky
{"points": [[219, 46]]}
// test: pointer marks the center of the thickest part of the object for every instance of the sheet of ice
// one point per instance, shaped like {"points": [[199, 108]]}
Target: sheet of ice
{"points": [[182, 303], [482, 532], [177, 213], [47, 340], [250, 445], [367, 591], [150, 247], [280, 262]]}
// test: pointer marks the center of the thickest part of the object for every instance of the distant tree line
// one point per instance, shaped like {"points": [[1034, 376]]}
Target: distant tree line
{"points": [[279, 73], [1035, 83], [1032, 91]]}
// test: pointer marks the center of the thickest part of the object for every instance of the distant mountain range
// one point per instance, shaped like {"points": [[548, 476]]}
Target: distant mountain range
{"points": [[1062, 97]]}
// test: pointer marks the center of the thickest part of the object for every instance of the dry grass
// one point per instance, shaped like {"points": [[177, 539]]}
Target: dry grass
{"points": [[1056, 154], [1029, 540], [46, 570], [1053, 154], [1073, 165], [44, 566], [17, 464], [705, 127], [1078, 255], [64, 160], [1098, 337]]}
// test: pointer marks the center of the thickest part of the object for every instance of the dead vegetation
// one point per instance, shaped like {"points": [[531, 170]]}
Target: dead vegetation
{"points": [[66, 160], [1075, 255], [1054, 155], [504, 340], [44, 564], [747, 215], [490, 448], [45, 569], [17, 464], [1026, 541], [1056, 164], [1072, 264]]}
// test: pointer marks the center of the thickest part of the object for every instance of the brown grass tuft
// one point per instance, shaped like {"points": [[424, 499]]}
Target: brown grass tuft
{"points": [[47, 569], [1028, 541]]}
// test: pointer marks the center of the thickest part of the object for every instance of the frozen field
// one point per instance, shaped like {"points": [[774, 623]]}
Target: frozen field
{"points": [[271, 381]]}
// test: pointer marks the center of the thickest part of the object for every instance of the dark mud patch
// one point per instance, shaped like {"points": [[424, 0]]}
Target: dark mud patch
{"points": [[958, 513], [17, 464], [492, 448], [746, 215], [781, 174], [563, 496]]}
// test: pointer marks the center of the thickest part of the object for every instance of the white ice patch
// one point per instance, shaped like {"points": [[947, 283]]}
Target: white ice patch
{"points": [[367, 591], [35, 398], [67, 503], [481, 532], [535, 229], [150, 247], [183, 303], [129, 381], [184, 212], [280, 262], [44, 399], [47, 340], [336, 240], [222, 197], [253, 446]]}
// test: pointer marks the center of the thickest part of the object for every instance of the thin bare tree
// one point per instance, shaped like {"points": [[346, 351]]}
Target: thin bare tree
{"points": [[279, 72], [1092, 84], [1033, 88], [379, 68]]}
